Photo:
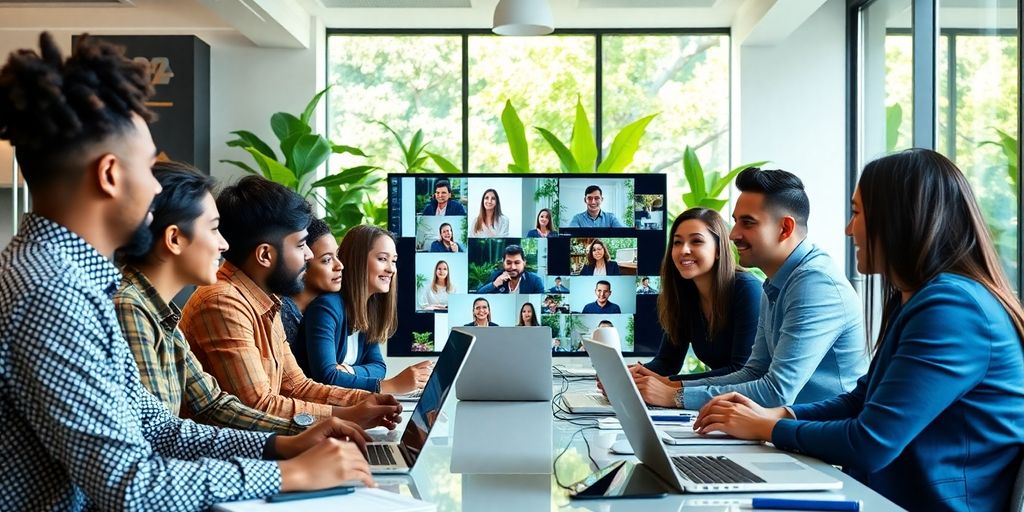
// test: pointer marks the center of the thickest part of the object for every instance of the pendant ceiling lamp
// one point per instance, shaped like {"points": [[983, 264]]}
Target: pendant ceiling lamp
{"points": [[523, 18]]}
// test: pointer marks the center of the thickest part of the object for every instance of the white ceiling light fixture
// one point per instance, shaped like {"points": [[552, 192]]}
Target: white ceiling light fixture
{"points": [[523, 18]]}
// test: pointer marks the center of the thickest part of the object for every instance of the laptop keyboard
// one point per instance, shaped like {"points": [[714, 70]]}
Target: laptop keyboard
{"points": [[704, 469], [380, 455]]}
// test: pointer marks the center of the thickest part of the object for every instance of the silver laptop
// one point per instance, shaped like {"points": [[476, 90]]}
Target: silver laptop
{"points": [[399, 457], [707, 472], [587, 402], [507, 364]]}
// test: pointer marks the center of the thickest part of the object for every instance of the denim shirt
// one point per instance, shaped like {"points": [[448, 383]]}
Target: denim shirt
{"points": [[810, 342]]}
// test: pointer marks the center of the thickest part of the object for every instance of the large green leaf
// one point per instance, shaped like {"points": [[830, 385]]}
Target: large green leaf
{"points": [[624, 146], [347, 176], [415, 148], [417, 165], [443, 163], [583, 145], [247, 138], [342, 149], [564, 155], [307, 114], [694, 173], [286, 125], [273, 170], [1010, 150], [310, 152], [244, 166], [721, 185], [398, 138], [515, 132], [712, 204], [893, 120]]}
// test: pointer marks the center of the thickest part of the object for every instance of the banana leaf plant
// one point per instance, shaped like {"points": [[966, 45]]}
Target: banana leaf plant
{"points": [[1010, 149], [415, 154], [707, 187], [346, 193]]}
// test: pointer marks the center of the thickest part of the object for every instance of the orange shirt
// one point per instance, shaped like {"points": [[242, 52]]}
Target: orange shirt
{"points": [[234, 329]]}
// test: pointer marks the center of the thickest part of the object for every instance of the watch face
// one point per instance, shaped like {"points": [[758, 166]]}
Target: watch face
{"points": [[303, 419]]}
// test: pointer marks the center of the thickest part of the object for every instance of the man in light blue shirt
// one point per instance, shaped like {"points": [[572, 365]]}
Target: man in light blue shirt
{"points": [[603, 292], [810, 343], [594, 216]]}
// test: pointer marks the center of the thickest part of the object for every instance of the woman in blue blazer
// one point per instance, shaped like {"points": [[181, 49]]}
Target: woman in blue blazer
{"points": [[599, 263], [341, 333], [938, 421]]}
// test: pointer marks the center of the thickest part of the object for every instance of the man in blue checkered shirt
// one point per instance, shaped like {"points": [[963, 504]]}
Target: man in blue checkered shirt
{"points": [[80, 431]]}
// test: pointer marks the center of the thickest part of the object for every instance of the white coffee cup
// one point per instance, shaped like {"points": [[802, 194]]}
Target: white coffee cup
{"points": [[608, 336]]}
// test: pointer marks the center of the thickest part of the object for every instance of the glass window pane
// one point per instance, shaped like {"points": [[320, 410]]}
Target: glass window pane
{"points": [[886, 79], [683, 78], [542, 76], [981, 134], [410, 82]]}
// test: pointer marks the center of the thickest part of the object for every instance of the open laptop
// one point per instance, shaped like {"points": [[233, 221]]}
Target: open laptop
{"points": [[709, 472], [399, 457], [507, 364], [587, 402]]}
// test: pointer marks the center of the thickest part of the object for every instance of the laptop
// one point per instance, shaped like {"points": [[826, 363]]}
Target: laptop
{"points": [[399, 457], [707, 472], [507, 364], [587, 402]]}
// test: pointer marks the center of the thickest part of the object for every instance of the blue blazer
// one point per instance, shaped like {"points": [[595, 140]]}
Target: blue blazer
{"points": [[321, 342], [610, 267], [528, 283], [437, 246], [454, 208], [938, 421]]}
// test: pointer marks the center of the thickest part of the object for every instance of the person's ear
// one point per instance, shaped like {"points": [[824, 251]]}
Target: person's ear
{"points": [[108, 174], [787, 228], [174, 240], [265, 255]]}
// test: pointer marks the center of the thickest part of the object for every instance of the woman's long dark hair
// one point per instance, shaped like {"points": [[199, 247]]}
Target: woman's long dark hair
{"points": [[679, 298], [495, 215], [533, 318], [920, 213]]}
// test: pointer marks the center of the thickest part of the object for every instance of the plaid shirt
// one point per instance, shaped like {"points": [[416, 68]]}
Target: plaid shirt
{"points": [[80, 432], [170, 370], [235, 331]]}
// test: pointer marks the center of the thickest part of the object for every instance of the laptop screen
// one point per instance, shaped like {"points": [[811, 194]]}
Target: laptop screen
{"points": [[435, 392]]}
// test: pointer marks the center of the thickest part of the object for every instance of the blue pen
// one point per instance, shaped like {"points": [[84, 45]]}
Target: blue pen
{"points": [[683, 418], [790, 504], [305, 495]]}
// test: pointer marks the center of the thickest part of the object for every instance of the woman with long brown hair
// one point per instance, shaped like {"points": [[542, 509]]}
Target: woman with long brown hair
{"points": [[936, 422], [341, 333], [599, 262], [706, 302], [489, 220], [435, 296]]}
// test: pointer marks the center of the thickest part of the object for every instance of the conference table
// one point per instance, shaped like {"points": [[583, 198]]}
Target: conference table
{"points": [[498, 456]]}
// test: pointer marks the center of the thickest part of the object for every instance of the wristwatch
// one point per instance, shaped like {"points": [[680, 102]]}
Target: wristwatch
{"points": [[303, 419]]}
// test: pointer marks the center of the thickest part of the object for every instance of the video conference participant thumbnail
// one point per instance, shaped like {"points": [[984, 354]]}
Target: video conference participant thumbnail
{"points": [[595, 215], [443, 202], [603, 295], [513, 276]]}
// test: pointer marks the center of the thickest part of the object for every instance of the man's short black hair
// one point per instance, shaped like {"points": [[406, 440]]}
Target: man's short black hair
{"points": [[52, 109], [443, 183], [513, 250], [645, 279], [606, 283], [783, 192], [254, 211], [558, 279], [179, 203], [317, 229], [593, 188]]}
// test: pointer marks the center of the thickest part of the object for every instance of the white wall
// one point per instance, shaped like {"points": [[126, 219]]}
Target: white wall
{"points": [[789, 107]]}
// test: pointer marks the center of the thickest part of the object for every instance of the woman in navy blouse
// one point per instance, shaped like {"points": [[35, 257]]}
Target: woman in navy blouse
{"points": [[341, 333], [936, 424], [706, 302], [543, 227], [599, 262]]}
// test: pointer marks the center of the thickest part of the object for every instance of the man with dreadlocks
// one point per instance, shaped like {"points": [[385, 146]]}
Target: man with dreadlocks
{"points": [[80, 431]]}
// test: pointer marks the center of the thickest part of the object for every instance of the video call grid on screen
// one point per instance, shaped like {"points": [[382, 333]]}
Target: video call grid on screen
{"points": [[448, 262]]}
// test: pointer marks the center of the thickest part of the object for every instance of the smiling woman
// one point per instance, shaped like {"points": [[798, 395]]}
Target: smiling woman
{"points": [[340, 335], [323, 275]]}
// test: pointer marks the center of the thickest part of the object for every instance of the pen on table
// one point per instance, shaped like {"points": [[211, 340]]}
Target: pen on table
{"points": [[305, 495], [682, 418], [793, 504]]}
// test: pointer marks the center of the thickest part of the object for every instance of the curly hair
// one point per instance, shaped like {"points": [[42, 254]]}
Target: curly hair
{"points": [[51, 108]]}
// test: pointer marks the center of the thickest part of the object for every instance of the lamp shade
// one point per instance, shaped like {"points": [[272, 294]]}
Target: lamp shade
{"points": [[523, 18]]}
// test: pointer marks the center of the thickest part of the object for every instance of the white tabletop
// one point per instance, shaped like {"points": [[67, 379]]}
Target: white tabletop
{"points": [[497, 456]]}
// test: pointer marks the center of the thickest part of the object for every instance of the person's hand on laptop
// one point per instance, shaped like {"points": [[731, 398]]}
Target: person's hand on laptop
{"points": [[325, 455], [738, 416], [409, 379], [656, 390], [639, 370], [376, 410]]}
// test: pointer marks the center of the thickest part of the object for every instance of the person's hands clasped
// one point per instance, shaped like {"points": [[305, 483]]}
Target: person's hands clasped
{"points": [[738, 416], [409, 379], [325, 455], [376, 410]]}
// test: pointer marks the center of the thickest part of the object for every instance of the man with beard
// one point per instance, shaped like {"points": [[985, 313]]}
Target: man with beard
{"points": [[234, 326], [514, 278], [80, 430]]}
